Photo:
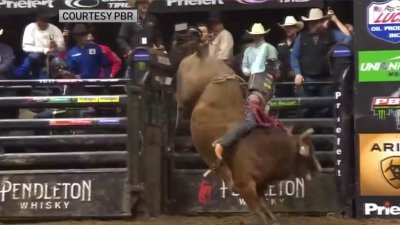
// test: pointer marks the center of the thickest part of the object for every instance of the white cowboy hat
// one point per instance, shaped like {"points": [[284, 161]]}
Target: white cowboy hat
{"points": [[258, 29], [291, 21], [314, 14]]}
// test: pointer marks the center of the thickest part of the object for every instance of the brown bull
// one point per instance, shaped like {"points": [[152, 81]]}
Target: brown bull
{"points": [[210, 92]]}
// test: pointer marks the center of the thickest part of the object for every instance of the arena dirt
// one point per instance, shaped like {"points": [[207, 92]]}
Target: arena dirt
{"points": [[228, 220]]}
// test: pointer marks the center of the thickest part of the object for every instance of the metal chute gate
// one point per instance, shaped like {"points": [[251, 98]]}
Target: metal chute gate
{"points": [[115, 162]]}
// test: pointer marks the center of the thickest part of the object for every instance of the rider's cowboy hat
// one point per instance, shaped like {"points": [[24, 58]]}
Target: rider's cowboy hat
{"points": [[314, 15], [258, 29], [291, 21]]}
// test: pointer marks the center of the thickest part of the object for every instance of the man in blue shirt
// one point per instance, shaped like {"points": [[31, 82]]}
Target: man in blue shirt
{"points": [[85, 59], [309, 58]]}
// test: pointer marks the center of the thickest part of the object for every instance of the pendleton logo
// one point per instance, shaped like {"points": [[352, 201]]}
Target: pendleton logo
{"points": [[379, 164]]}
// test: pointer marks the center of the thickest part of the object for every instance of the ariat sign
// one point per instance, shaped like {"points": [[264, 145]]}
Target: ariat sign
{"points": [[384, 20], [386, 210], [379, 66], [379, 164], [194, 2]]}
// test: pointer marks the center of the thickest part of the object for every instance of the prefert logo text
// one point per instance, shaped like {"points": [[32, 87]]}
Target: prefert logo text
{"points": [[386, 210]]}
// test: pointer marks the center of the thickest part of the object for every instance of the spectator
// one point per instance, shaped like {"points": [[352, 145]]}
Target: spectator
{"points": [[237, 61], [205, 36], [7, 59], [108, 72], [131, 34], [221, 39], [40, 39], [257, 54], [291, 27], [350, 28], [309, 58], [85, 59]]}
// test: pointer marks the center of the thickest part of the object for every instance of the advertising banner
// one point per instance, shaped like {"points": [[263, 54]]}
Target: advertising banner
{"points": [[379, 172], [377, 107], [167, 6]]}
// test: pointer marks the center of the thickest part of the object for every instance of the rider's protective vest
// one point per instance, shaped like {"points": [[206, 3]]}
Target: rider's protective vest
{"points": [[262, 83]]}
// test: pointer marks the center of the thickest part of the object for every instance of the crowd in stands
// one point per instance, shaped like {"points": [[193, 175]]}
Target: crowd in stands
{"points": [[303, 52]]}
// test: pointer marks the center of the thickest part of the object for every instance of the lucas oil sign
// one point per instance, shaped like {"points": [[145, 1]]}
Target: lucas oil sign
{"points": [[384, 20]]}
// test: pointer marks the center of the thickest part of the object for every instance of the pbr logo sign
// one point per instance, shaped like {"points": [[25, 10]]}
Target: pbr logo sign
{"points": [[384, 20]]}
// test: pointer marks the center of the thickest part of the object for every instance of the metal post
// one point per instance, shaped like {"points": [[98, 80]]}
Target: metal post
{"points": [[341, 59], [136, 115]]}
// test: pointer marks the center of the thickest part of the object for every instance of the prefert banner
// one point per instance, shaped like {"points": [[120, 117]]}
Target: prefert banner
{"points": [[379, 167]]}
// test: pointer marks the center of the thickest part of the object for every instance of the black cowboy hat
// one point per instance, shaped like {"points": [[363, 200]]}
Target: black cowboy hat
{"points": [[215, 17], [45, 13], [137, 2], [81, 29]]}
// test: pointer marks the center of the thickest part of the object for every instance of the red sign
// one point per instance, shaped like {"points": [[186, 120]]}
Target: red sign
{"points": [[76, 122], [386, 101]]}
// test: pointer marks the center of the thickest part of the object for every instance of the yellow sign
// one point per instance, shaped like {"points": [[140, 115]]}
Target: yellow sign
{"points": [[87, 99], [379, 164], [99, 99], [109, 99]]}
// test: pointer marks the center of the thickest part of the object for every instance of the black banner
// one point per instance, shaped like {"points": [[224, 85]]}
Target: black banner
{"points": [[8, 7], [377, 107], [168, 6], [196, 194], [62, 193]]}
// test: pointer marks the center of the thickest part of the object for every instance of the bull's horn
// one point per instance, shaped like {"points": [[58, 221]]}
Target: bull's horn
{"points": [[307, 133]]}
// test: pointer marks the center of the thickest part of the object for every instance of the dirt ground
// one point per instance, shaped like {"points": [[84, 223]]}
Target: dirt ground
{"points": [[227, 220]]}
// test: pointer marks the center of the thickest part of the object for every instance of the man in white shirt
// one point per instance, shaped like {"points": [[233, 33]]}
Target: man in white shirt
{"points": [[222, 45], [41, 38]]}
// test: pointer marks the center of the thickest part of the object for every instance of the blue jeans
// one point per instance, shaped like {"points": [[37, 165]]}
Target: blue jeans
{"points": [[32, 66], [320, 90], [239, 130]]}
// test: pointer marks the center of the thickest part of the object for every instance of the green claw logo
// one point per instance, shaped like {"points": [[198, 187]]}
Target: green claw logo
{"points": [[141, 66]]}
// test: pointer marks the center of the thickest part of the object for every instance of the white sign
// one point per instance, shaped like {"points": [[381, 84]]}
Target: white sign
{"points": [[386, 210], [25, 4], [98, 16], [194, 2]]}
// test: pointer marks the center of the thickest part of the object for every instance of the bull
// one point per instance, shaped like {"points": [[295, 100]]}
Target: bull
{"points": [[212, 96]]}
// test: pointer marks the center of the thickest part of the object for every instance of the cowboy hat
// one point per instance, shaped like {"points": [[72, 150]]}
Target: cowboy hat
{"points": [[291, 21], [80, 29], [44, 13], [258, 29], [315, 14]]}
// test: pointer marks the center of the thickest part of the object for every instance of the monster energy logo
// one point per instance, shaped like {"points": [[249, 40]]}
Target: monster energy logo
{"points": [[381, 114], [141, 66]]}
